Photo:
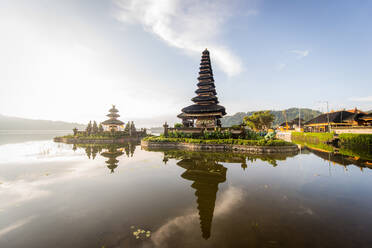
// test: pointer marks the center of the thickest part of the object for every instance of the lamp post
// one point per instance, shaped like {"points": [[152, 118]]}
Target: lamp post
{"points": [[327, 114]]}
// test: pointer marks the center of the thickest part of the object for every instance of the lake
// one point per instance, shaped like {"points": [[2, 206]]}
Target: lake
{"points": [[60, 195]]}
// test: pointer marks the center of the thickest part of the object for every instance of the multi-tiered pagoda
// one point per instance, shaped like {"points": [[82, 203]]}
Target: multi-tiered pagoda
{"points": [[205, 111], [113, 124]]}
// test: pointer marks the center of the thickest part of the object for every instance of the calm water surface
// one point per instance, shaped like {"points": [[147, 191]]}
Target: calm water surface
{"points": [[59, 195]]}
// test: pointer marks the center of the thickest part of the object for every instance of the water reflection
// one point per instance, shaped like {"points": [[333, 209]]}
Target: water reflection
{"points": [[340, 159], [206, 172], [109, 151], [206, 175], [226, 157], [112, 153]]}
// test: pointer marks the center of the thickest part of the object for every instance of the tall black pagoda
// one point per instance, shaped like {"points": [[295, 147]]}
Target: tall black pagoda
{"points": [[205, 111]]}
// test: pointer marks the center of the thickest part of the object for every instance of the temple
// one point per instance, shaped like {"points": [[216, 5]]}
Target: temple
{"points": [[113, 124], [205, 112]]}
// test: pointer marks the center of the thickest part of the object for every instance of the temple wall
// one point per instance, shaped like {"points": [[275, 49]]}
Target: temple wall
{"points": [[353, 130], [221, 147]]}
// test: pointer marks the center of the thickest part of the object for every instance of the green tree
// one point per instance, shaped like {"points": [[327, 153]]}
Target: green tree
{"points": [[95, 127], [178, 125], [100, 128], [127, 127], [260, 120], [89, 128], [75, 130]]}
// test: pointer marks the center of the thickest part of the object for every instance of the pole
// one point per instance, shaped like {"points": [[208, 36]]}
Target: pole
{"points": [[328, 116], [299, 118]]}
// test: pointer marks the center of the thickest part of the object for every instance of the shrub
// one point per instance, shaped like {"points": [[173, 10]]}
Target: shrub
{"points": [[178, 125], [356, 139], [312, 137]]}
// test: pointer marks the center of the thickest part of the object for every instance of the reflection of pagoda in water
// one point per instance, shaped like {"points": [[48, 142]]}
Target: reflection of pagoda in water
{"points": [[112, 153], [206, 172], [206, 175]]}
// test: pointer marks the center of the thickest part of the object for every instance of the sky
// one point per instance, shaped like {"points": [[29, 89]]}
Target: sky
{"points": [[70, 60]]}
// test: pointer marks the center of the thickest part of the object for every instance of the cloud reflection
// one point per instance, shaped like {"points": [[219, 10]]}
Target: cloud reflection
{"points": [[187, 225]]}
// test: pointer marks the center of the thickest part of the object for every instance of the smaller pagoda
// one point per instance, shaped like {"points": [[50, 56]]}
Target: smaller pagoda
{"points": [[113, 124]]}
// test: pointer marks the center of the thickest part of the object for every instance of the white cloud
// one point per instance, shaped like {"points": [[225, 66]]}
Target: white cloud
{"points": [[281, 66], [188, 25], [361, 99], [301, 53]]}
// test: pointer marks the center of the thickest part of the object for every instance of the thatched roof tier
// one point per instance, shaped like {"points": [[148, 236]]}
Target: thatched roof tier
{"points": [[205, 67], [205, 99], [205, 64], [197, 108], [334, 117], [205, 77], [182, 116], [112, 122], [113, 115], [210, 90], [205, 84], [208, 72]]}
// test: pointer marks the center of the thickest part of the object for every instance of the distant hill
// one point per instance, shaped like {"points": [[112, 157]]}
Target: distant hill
{"points": [[15, 123], [291, 113]]}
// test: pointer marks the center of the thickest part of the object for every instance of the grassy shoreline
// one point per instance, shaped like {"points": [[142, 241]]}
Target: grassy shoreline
{"points": [[345, 138]]}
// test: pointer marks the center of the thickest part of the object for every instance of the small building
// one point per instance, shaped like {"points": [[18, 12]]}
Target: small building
{"points": [[113, 124], [367, 119], [206, 112], [337, 119]]}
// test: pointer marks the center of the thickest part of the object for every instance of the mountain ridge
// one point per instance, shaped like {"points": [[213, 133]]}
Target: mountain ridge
{"points": [[291, 113], [17, 123]]}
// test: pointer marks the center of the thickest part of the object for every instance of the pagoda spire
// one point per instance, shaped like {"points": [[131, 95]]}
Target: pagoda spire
{"points": [[205, 110]]}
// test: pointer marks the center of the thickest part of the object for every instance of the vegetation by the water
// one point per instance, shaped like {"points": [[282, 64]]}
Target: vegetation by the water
{"points": [[355, 139], [260, 142], [345, 138], [217, 134], [291, 113], [353, 145], [312, 137]]}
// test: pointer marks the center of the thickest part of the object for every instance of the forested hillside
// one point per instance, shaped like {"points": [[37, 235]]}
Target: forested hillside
{"points": [[291, 113], [15, 123]]}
